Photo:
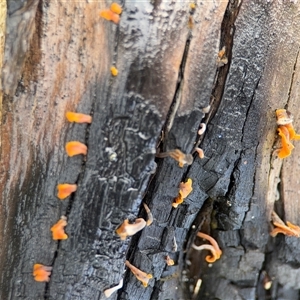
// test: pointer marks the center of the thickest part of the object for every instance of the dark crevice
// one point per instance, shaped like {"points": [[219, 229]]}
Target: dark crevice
{"points": [[176, 99], [293, 77], [205, 217], [227, 35], [226, 40], [255, 154]]}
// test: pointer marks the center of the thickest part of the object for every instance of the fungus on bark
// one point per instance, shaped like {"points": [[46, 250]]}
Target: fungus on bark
{"points": [[289, 229], [41, 273], [114, 71], [116, 8], [78, 117], [126, 229], [75, 148], [65, 189], [58, 229], [140, 275], [213, 248], [185, 188]]}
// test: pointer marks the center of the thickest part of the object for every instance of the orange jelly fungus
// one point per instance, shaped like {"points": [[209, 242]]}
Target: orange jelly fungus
{"points": [[286, 131], [114, 71], [108, 15], [127, 229], [78, 118], [64, 190], [289, 229], [75, 148], [286, 145], [292, 132], [200, 152], [279, 227], [116, 8], [185, 188], [213, 248], [58, 229], [41, 273], [140, 275], [169, 261]]}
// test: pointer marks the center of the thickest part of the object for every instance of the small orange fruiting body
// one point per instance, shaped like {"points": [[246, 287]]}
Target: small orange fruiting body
{"points": [[78, 117], [279, 227], [114, 71], [149, 214], [140, 275], [283, 117], [127, 229], [64, 190], [214, 247], [58, 229], [200, 152], [185, 188], [292, 132], [116, 8], [286, 145], [108, 15], [286, 131], [41, 273], [76, 148], [169, 261]]}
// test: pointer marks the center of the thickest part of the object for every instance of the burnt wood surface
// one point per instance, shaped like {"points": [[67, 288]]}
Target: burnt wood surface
{"points": [[57, 57]]}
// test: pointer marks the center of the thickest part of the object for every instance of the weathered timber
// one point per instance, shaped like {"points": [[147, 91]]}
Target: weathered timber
{"points": [[58, 57], [67, 67], [241, 173]]}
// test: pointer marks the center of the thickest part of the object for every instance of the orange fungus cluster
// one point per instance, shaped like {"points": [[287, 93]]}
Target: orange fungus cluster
{"points": [[286, 132], [41, 273]]}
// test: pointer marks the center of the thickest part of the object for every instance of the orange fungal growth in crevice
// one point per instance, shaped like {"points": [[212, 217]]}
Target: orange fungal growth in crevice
{"points": [[182, 158], [283, 117], [149, 214], [289, 229], [140, 275], [64, 190], [58, 229], [76, 148], [169, 261], [108, 15], [127, 229], [41, 273], [116, 8], [213, 248], [114, 71], [78, 117], [286, 145], [286, 131], [292, 132], [200, 152], [185, 188]]}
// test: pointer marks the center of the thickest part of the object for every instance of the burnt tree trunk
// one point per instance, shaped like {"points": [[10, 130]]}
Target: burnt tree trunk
{"points": [[57, 57]]}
